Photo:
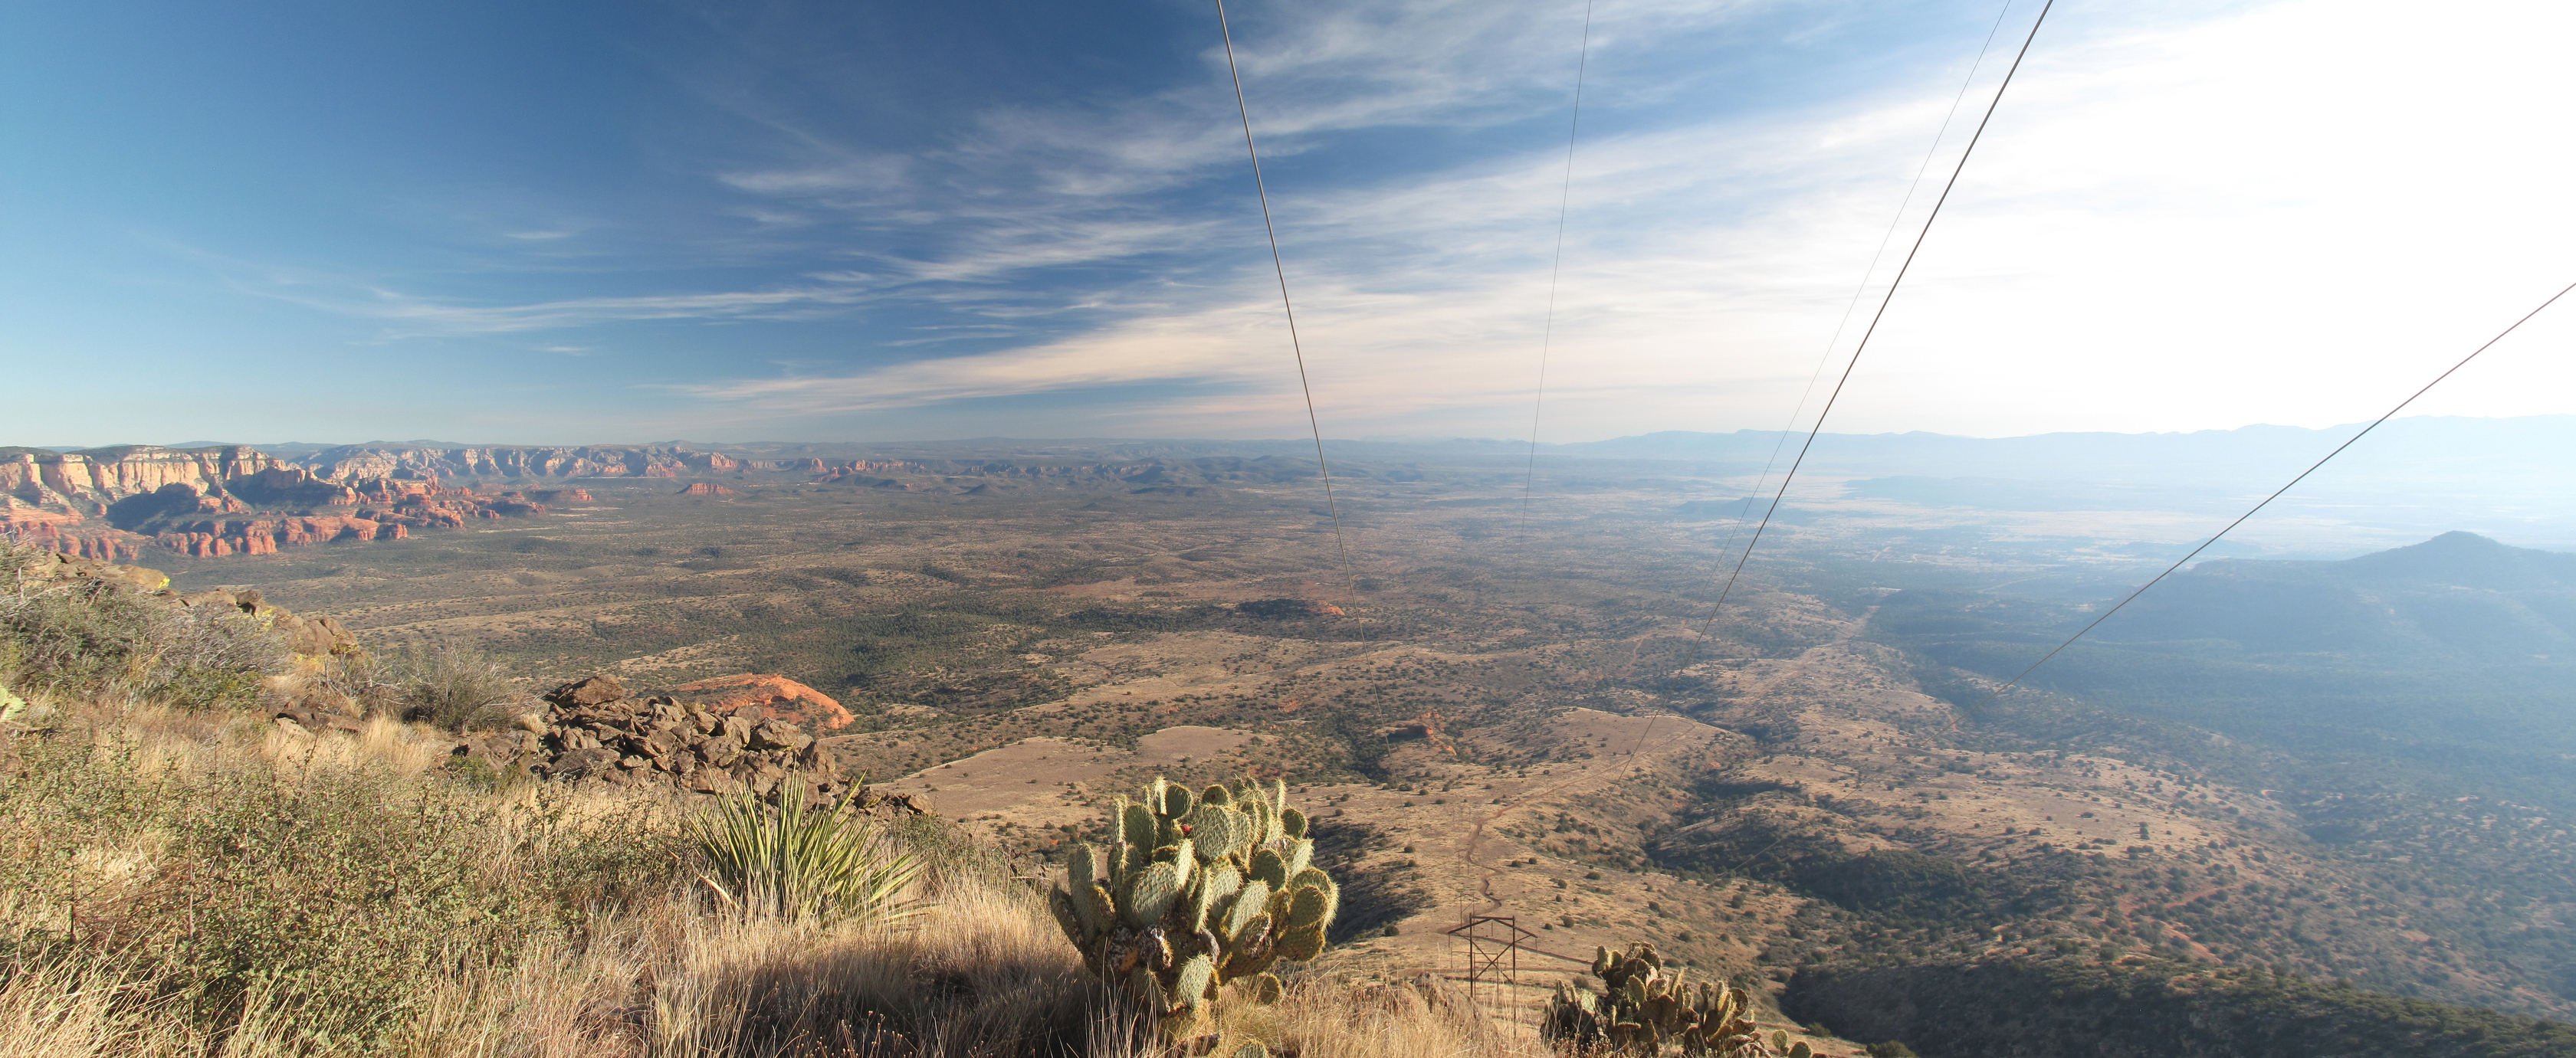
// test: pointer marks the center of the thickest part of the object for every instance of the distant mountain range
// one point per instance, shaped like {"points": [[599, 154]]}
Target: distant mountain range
{"points": [[2439, 459], [2456, 654], [2460, 443], [2410, 478], [2457, 594]]}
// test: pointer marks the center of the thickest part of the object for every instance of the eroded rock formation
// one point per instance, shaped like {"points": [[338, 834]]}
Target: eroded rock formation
{"points": [[232, 500], [236, 500], [374, 461], [768, 697]]}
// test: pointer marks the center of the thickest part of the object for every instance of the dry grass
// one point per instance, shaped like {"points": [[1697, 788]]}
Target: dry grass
{"points": [[1425, 1017], [594, 961]]}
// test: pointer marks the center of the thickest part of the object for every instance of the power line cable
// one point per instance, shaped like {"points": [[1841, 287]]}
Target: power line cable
{"points": [[2276, 494], [1893, 223], [1263, 192], [1564, 198], [1844, 324], [1875, 318]]}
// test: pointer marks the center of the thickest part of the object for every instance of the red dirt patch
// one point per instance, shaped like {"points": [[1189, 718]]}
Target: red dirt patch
{"points": [[767, 697]]}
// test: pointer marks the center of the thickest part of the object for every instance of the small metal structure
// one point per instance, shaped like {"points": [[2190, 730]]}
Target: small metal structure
{"points": [[1493, 951]]}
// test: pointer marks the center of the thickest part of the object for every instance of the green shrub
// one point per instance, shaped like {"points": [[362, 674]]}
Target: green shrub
{"points": [[92, 641], [448, 687], [334, 898], [800, 861]]}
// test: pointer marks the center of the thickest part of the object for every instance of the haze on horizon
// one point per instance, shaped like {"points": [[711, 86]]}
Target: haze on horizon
{"points": [[588, 223]]}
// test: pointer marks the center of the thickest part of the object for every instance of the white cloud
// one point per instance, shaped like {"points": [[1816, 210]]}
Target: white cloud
{"points": [[2294, 213]]}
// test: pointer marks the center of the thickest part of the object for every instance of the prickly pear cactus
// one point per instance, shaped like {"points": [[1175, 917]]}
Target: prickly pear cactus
{"points": [[1645, 1006], [1200, 891]]}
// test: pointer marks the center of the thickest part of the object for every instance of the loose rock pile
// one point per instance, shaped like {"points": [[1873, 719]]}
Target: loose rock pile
{"points": [[595, 731]]}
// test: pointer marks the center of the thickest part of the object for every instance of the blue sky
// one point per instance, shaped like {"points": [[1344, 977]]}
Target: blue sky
{"points": [[542, 223]]}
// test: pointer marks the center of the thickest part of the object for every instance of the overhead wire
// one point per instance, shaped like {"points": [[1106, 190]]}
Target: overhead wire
{"points": [[1874, 320], [1893, 223], [2276, 494], [1843, 324], [1556, 266], [1262, 191]]}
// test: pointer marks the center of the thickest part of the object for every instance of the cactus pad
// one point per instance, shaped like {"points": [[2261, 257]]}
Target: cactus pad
{"points": [[1642, 1008], [1203, 889]]}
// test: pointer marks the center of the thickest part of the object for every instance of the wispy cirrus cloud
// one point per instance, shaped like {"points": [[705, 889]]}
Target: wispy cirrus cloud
{"points": [[2165, 216], [2136, 171]]}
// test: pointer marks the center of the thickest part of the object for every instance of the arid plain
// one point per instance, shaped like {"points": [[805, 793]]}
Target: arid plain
{"points": [[1499, 705]]}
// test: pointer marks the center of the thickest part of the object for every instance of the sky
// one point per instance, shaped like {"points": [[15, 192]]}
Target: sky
{"points": [[620, 222]]}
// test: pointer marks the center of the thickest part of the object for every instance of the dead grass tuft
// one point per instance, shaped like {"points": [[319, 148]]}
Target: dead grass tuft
{"points": [[1424, 1017], [181, 884]]}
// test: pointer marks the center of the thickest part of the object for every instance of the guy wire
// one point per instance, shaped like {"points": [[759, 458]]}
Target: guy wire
{"points": [[1564, 197], [2276, 494], [1875, 317], [1844, 323], [1262, 191]]}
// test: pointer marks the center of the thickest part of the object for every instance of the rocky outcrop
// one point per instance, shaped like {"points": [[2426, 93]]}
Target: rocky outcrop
{"points": [[768, 697], [595, 731], [309, 636], [61, 569], [705, 488]]}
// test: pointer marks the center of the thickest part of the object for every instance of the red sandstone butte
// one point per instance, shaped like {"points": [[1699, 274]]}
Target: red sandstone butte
{"points": [[705, 489], [767, 697]]}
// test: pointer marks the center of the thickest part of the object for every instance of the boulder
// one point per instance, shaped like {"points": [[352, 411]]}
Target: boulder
{"points": [[595, 690], [720, 751], [665, 742], [772, 734]]}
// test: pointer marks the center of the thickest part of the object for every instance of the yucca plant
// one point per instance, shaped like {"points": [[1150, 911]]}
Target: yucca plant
{"points": [[800, 861]]}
